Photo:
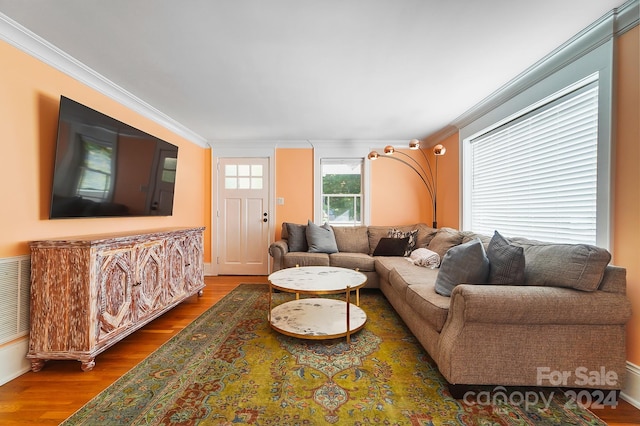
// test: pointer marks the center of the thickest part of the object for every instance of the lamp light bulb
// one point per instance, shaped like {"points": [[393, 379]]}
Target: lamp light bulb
{"points": [[439, 150]]}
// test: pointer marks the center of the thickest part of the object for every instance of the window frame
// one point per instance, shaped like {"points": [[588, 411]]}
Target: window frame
{"points": [[598, 62], [335, 162], [343, 150]]}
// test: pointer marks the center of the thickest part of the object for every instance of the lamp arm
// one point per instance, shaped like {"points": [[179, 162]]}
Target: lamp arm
{"points": [[429, 166], [434, 183], [428, 176], [429, 189]]}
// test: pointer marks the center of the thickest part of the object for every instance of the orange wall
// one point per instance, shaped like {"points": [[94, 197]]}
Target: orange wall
{"points": [[398, 196], [626, 193], [28, 115], [448, 184], [294, 183], [392, 185]]}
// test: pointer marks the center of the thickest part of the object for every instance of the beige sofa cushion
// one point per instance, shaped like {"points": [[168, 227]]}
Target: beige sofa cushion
{"points": [[444, 239], [352, 239], [578, 266], [300, 258], [539, 305], [374, 235], [425, 234], [384, 265], [431, 306], [468, 236], [361, 261], [416, 284]]}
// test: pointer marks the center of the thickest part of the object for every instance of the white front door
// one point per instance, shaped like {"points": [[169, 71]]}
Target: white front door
{"points": [[243, 210]]}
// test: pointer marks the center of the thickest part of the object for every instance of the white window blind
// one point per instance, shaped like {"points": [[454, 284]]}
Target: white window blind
{"points": [[536, 176]]}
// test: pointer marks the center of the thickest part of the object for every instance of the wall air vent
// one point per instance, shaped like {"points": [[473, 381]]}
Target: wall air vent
{"points": [[14, 297]]}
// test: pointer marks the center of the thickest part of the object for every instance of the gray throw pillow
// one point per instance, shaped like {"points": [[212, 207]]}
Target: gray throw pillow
{"points": [[463, 264], [506, 261], [297, 237], [321, 238]]}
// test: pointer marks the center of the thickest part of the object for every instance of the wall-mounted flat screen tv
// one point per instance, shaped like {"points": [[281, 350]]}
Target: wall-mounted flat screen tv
{"points": [[106, 168]]}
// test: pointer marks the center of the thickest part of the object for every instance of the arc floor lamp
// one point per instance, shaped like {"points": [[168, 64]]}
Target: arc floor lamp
{"points": [[428, 176]]}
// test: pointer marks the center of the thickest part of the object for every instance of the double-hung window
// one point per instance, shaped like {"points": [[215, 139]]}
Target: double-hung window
{"points": [[342, 191]]}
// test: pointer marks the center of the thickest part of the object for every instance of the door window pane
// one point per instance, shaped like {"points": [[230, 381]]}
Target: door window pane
{"points": [[244, 176]]}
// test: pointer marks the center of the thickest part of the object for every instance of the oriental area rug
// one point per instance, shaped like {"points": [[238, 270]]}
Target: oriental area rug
{"points": [[228, 367]]}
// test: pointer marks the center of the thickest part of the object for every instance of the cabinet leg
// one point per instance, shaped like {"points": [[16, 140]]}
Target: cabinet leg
{"points": [[88, 365], [37, 364]]}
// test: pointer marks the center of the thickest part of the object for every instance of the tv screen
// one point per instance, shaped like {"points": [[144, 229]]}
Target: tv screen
{"points": [[104, 167]]}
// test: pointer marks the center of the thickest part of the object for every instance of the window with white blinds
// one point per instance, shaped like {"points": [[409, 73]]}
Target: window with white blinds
{"points": [[536, 176]]}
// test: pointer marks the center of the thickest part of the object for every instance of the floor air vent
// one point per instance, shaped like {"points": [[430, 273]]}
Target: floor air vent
{"points": [[14, 297]]}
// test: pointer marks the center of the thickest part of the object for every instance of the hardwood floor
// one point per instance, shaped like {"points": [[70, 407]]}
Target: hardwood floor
{"points": [[53, 394]]}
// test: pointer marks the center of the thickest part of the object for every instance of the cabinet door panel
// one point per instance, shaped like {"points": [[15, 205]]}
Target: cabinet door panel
{"points": [[149, 291], [114, 292], [177, 258], [194, 266]]}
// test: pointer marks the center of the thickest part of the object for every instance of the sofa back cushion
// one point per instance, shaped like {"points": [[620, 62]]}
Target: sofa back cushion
{"points": [[375, 233], [577, 266], [425, 234], [445, 239], [352, 239]]}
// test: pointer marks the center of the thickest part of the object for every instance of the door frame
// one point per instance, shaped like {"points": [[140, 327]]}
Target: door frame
{"points": [[235, 149]]}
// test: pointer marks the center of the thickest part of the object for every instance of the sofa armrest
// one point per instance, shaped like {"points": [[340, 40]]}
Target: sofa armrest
{"points": [[500, 304], [277, 250]]}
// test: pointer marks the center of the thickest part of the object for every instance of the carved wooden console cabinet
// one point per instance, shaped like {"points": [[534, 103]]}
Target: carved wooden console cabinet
{"points": [[87, 293]]}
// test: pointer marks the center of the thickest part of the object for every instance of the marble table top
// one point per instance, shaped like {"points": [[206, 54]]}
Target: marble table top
{"points": [[317, 279], [317, 318]]}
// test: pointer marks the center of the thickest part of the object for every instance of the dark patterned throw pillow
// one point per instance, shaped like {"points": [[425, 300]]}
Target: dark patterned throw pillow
{"points": [[412, 235], [391, 246]]}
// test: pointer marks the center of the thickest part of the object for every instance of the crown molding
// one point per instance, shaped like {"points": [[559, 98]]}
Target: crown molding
{"points": [[627, 17], [37, 47], [613, 24]]}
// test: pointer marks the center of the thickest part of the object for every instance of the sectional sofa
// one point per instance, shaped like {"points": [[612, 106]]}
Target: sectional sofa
{"points": [[551, 315]]}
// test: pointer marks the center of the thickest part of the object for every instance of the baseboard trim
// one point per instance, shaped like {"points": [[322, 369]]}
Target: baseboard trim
{"points": [[631, 391], [13, 361], [209, 270]]}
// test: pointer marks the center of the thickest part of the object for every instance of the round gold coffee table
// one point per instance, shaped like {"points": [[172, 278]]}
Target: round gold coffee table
{"points": [[317, 317]]}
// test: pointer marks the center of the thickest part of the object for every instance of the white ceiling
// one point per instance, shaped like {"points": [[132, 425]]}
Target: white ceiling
{"points": [[308, 70]]}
